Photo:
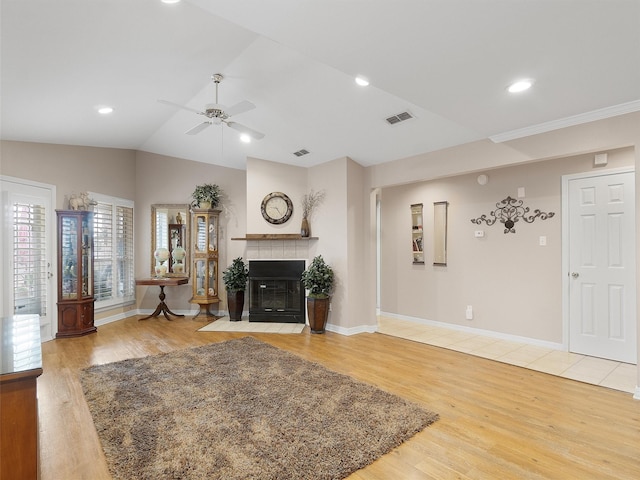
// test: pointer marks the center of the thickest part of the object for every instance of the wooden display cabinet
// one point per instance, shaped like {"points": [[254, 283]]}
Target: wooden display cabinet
{"points": [[204, 259], [75, 273]]}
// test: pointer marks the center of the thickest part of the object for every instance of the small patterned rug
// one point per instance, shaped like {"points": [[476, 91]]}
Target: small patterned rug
{"points": [[225, 325]]}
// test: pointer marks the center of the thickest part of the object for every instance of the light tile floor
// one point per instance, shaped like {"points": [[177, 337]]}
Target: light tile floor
{"points": [[224, 325], [597, 371]]}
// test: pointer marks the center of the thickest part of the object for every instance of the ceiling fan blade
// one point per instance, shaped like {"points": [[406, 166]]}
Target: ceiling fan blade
{"points": [[198, 128], [166, 102], [238, 108], [243, 129]]}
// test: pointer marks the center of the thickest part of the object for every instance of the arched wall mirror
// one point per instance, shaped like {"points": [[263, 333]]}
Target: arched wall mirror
{"points": [[170, 229]]}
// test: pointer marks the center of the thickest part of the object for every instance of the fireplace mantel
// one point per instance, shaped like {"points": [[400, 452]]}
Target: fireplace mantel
{"points": [[273, 236]]}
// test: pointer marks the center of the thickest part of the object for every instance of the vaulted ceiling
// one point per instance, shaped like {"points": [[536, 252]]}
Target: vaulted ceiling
{"points": [[446, 62]]}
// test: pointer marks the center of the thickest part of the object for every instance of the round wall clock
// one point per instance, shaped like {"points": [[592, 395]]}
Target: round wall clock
{"points": [[276, 208]]}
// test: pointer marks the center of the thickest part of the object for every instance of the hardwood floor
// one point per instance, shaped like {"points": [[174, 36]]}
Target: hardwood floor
{"points": [[497, 421]]}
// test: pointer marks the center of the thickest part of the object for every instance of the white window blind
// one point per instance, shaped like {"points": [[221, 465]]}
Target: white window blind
{"points": [[103, 251], [114, 280], [126, 275], [29, 261]]}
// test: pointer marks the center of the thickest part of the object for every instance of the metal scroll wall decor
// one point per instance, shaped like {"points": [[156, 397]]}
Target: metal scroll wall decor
{"points": [[509, 211]]}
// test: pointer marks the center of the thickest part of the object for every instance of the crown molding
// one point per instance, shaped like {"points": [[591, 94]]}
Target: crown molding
{"points": [[579, 119]]}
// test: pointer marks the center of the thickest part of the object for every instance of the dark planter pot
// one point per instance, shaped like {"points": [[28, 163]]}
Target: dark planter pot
{"points": [[318, 312], [235, 303]]}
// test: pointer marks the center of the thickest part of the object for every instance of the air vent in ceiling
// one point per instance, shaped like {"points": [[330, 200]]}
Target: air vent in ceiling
{"points": [[301, 152], [400, 117]]}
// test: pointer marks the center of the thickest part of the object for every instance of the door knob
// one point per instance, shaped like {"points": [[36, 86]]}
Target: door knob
{"points": [[575, 274]]}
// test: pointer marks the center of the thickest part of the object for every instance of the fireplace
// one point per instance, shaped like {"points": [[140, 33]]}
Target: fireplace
{"points": [[275, 291]]}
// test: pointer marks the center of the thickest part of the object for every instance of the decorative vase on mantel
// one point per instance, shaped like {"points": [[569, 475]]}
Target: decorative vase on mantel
{"points": [[305, 229]]}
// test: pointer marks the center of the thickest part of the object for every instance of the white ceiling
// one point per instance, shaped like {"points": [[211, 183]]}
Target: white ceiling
{"points": [[448, 62]]}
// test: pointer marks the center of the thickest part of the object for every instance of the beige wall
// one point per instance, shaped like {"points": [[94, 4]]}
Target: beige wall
{"points": [[264, 177], [513, 283], [72, 169], [162, 179], [616, 132]]}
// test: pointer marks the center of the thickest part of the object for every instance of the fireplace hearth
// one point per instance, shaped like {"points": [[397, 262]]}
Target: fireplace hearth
{"points": [[275, 291]]}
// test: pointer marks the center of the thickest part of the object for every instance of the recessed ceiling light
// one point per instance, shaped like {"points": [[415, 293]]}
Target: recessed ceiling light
{"points": [[363, 82], [170, 1], [245, 138], [105, 110], [520, 86]]}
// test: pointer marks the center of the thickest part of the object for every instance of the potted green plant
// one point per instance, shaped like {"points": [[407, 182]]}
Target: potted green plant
{"points": [[317, 279], [235, 281], [206, 196]]}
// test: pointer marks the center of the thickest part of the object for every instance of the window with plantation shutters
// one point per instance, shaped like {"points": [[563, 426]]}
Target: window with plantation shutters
{"points": [[103, 251], [114, 282], [29, 262], [124, 233]]}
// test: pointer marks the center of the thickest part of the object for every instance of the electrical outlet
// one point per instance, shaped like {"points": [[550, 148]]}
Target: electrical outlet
{"points": [[469, 312]]}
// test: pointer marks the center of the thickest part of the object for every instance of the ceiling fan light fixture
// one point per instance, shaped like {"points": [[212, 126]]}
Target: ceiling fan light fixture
{"points": [[362, 81], [520, 86], [218, 114]]}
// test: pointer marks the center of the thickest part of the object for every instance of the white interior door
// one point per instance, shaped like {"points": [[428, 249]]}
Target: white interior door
{"points": [[28, 252], [602, 312]]}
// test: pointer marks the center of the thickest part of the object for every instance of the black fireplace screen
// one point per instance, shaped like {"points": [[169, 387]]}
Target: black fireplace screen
{"points": [[275, 291]]}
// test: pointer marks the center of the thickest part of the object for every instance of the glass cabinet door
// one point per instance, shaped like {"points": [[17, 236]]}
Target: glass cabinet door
{"points": [[199, 276], [87, 271], [69, 256], [211, 284], [213, 234], [201, 233]]}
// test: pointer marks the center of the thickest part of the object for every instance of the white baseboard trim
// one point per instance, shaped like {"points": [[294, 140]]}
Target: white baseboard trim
{"points": [[478, 331], [352, 330], [145, 312], [115, 318], [636, 394]]}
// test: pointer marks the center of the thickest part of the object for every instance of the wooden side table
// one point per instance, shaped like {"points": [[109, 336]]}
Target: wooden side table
{"points": [[162, 282], [20, 366]]}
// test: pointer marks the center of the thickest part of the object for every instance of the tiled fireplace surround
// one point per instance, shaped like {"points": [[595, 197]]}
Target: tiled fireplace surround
{"points": [[278, 250]]}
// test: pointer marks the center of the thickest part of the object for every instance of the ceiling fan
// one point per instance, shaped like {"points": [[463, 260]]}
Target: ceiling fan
{"points": [[217, 113]]}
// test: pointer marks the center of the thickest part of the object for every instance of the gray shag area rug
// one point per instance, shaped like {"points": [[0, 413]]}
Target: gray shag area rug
{"points": [[241, 409]]}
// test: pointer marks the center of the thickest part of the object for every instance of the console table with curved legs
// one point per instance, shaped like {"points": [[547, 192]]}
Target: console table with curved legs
{"points": [[163, 282]]}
